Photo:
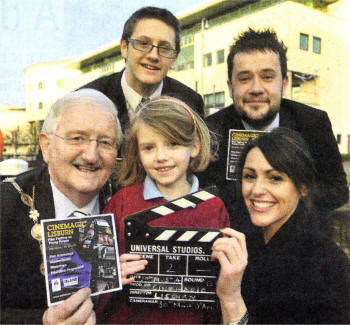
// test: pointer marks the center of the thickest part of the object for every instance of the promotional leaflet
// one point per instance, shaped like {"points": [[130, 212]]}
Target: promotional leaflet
{"points": [[236, 141], [80, 252]]}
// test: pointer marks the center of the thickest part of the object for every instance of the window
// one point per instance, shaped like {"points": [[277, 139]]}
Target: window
{"points": [[108, 67], [40, 105], [40, 85], [304, 42], [180, 67], [220, 56], [207, 60], [186, 39], [316, 45], [338, 138], [185, 59], [214, 100], [208, 100], [220, 99], [60, 83]]}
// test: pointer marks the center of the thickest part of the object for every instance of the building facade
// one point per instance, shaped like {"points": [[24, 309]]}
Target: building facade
{"points": [[19, 135], [315, 32]]}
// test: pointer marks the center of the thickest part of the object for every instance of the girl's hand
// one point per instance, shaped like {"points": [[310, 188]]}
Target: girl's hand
{"points": [[231, 252], [130, 264]]}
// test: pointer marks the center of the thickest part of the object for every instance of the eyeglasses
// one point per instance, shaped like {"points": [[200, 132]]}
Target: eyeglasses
{"points": [[105, 145], [147, 46]]}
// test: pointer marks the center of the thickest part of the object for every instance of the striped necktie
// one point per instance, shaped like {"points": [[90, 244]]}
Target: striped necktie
{"points": [[142, 102], [77, 213]]}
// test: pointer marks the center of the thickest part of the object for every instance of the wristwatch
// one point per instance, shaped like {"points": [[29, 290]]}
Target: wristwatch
{"points": [[241, 321]]}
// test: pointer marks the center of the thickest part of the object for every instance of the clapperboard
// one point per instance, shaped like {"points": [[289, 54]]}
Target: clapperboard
{"points": [[179, 273]]}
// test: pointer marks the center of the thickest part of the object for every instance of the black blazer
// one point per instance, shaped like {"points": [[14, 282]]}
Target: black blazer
{"points": [[23, 292], [111, 86], [298, 277], [316, 129]]}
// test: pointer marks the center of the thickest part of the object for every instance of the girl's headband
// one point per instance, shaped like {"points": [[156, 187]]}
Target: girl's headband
{"points": [[173, 100]]}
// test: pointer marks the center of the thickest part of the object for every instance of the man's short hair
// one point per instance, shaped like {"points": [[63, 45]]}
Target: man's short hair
{"points": [[263, 40], [80, 97], [153, 13]]}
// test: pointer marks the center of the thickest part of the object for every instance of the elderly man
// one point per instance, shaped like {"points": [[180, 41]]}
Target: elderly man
{"points": [[79, 142], [257, 78], [150, 44]]}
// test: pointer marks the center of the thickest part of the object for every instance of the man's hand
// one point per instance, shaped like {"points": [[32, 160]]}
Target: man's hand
{"points": [[130, 264], [77, 309]]}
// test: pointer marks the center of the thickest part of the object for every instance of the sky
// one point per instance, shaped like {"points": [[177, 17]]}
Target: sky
{"points": [[33, 31]]}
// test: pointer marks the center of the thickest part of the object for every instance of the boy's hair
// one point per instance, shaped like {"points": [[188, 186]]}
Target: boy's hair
{"points": [[175, 121], [153, 13], [264, 40]]}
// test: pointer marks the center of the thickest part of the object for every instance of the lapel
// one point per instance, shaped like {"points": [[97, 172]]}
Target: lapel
{"points": [[43, 195], [287, 120], [119, 99], [232, 120], [105, 193], [166, 87]]}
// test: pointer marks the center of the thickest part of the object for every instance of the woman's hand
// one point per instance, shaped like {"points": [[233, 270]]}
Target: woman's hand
{"points": [[130, 264], [231, 252]]}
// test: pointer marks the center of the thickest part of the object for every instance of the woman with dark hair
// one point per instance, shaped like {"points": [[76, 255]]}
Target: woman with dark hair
{"points": [[294, 275]]}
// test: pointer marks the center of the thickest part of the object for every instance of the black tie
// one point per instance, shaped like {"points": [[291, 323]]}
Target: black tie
{"points": [[142, 102], [77, 213]]}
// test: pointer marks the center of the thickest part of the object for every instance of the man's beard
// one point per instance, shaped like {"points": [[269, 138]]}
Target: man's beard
{"points": [[259, 123]]}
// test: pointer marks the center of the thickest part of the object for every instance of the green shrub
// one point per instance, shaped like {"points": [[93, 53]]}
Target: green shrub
{"points": [[345, 156]]}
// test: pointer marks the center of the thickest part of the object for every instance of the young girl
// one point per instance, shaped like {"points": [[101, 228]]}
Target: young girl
{"points": [[166, 143]]}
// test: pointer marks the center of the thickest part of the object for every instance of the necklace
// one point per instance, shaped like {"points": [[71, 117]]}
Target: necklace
{"points": [[33, 214]]}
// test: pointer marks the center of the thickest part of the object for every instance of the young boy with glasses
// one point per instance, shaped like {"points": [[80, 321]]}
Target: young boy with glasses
{"points": [[150, 45]]}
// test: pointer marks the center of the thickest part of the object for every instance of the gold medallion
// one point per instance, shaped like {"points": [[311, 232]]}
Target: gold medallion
{"points": [[27, 200], [34, 215], [36, 232]]}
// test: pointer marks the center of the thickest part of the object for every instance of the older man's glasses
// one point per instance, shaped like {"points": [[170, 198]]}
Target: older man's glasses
{"points": [[147, 46], [80, 141]]}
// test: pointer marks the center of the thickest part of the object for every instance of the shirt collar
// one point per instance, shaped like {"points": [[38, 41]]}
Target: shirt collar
{"points": [[274, 124], [132, 97], [65, 207], [150, 190]]}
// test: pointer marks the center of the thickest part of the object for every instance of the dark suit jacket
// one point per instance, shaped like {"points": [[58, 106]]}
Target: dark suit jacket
{"points": [[316, 129], [298, 277], [111, 86], [23, 292]]}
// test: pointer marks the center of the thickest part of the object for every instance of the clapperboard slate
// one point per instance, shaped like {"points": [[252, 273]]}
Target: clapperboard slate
{"points": [[179, 273]]}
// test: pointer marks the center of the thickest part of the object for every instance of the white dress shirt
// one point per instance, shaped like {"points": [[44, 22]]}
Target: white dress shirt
{"points": [[65, 207], [274, 124], [132, 98]]}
